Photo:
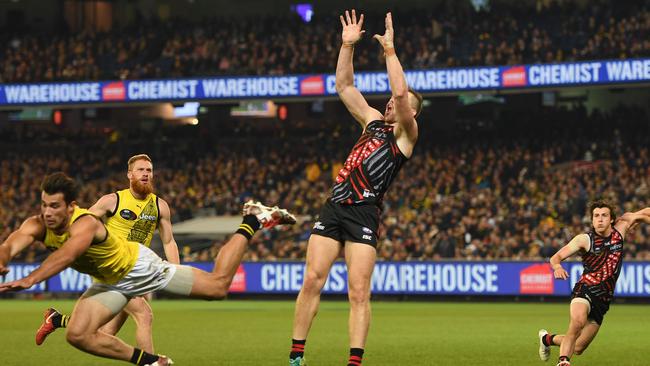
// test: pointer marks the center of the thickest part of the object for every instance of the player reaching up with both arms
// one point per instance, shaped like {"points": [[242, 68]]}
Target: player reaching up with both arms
{"points": [[350, 217]]}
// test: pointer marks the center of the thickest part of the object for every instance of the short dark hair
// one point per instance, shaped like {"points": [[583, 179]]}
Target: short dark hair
{"points": [[602, 203], [417, 96], [59, 182]]}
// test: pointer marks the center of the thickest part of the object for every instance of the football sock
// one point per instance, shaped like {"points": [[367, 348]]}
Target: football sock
{"points": [[297, 348], [563, 358], [249, 226], [548, 339], [356, 354], [142, 358], [60, 320]]}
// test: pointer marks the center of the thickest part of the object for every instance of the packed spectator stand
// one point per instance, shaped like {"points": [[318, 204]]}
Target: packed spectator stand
{"points": [[506, 193], [447, 35]]}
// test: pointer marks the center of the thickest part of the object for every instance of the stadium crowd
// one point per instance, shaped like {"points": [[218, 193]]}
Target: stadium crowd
{"points": [[450, 34], [508, 193]]}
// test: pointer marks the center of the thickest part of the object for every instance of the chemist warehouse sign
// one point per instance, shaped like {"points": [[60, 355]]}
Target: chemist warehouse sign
{"points": [[428, 81], [397, 278]]}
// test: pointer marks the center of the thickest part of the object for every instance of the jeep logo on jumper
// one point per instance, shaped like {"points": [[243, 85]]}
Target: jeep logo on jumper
{"points": [[127, 214], [147, 217]]}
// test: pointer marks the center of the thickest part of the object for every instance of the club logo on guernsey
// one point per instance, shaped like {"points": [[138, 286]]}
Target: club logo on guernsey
{"points": [[127, 214]]}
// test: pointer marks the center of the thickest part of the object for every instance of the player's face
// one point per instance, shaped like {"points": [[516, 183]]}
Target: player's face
{"points": [[601, 219], [141, 177], [55, 211], [389, 113]]}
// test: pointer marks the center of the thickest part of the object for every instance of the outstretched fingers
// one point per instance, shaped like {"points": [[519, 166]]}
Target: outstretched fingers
{"points": [[389, 21]]}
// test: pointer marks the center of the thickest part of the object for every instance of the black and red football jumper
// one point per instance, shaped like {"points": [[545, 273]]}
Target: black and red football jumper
{"points": [[352, 211], [602, 266]]}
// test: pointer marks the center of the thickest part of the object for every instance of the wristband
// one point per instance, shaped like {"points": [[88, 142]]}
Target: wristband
{"points": [[389, 52]]}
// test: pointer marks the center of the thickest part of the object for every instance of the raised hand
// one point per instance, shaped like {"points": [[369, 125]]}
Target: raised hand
{"points": [[387, 39], [351, 28]]}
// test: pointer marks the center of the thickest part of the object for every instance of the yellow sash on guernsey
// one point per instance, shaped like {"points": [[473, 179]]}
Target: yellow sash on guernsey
{"points": [[107, 262], [134, 219]]}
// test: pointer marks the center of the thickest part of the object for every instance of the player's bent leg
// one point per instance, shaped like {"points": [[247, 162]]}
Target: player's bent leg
{"points": [[142, 314], [360, 259], [192, 282], [586, 337], [115, 324], [228, 260], [321, 254], [579, 311], [93, 310]]}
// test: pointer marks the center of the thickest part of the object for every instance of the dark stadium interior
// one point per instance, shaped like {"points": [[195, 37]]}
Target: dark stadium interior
{"points": [[531, 110], [506, 176]]}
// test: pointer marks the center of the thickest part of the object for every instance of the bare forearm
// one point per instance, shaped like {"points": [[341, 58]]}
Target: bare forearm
{"points": [[55, 263], [344, 68], [398, 85], [646, 214], [555, 261], [171, 252]]}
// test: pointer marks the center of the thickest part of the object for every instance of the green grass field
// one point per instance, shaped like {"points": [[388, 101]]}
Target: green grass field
{"points": [[402, 333]]}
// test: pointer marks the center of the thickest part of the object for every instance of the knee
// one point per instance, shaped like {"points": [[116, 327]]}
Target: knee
{"points": [[218, 295], [219, 291], [76, 338], [359, 296], [314, 281], [576, 325], [580, 348]]}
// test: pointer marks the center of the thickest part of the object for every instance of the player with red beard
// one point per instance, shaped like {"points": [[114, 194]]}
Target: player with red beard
{"points": [[134, 213]]}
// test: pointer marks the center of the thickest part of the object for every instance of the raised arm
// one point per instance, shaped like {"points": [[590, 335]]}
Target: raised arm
{"points": [[166, 234], [107, 204], [405, 115], [630, 219], [578, 243], [82, 234], [30, 231], [349, 94]]}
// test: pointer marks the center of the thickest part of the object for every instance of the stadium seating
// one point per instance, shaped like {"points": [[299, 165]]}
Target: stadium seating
{"points": [[445, 36], [471, 194]]}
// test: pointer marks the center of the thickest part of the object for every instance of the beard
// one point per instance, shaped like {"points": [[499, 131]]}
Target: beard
{"points": [[140, 188]]}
